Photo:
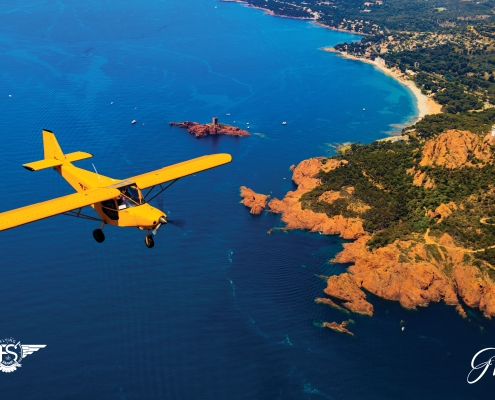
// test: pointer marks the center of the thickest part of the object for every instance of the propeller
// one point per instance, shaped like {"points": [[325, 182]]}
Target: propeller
{"points": [[162, 221], [179, 223]]}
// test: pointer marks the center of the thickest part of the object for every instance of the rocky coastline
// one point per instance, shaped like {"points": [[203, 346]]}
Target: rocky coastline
{"points": [[415, 271]]}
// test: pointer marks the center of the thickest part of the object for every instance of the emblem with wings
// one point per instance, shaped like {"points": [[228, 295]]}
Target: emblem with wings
{"points": [[12, 352]]}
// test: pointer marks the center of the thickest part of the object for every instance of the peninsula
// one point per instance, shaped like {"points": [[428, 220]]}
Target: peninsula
{"points": [[214, 128], [420, 210]]}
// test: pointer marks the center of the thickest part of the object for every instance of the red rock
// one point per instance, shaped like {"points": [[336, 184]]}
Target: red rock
{"points": [[338, 327], [453, 149], [255, 201], [202, 130], [343, 287], [413, 272], [296, 218]]}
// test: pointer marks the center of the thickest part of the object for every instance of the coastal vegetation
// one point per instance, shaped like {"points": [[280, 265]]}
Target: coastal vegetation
{"points": [[421, 210], [382, 175], [373, 16]]}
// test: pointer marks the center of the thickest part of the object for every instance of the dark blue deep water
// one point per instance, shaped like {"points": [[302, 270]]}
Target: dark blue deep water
{"points": [[217, 309]]}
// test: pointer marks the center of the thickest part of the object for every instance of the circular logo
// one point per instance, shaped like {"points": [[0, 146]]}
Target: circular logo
{"points": [[10, 354]]}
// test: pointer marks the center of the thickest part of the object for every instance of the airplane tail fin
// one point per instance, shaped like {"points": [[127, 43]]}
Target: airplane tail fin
{"points": [[54, 156], [51, 147]]}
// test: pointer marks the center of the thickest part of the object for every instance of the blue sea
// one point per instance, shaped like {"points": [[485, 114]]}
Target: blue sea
{"points": [[217, 309]]}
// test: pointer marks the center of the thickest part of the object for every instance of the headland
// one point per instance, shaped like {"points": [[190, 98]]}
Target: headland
{"points": [[411, 244], [420, 209]]}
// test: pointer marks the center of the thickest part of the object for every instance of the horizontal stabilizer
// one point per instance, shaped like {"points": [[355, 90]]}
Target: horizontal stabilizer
{"points": [[37, 165], [77, 155]]}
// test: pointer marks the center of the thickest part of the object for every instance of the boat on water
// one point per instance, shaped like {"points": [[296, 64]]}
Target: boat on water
{"points": [[284, 123], [133, 121]]}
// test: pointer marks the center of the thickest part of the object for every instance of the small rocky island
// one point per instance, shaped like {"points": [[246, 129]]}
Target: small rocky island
{"points": [[342, 327], [214, 128]]}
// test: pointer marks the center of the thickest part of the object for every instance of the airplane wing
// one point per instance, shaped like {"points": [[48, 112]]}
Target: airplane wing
{"points": [[35, 212], [179, 170]]}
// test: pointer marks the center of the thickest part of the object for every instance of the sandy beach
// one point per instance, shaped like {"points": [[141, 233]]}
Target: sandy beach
{"points": [[426, 105]]}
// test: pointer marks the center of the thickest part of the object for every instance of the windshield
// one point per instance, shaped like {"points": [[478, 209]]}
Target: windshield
{"points": [[130, 196]]}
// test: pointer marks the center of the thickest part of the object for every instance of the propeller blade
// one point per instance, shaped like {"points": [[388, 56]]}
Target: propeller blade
{"points": [[159, 202], [180, 223]]}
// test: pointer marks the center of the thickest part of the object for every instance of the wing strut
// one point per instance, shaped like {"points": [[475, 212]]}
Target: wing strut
{"points": [[160, 192], [78, 214]]}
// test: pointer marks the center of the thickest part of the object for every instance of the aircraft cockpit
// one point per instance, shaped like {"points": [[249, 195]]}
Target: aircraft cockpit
{"points": [[130, 196]]}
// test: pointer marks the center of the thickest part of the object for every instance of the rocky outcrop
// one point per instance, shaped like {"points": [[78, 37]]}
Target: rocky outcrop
{"points": [[421, 179], [455, 149], [342, 328], [345, 288], [442, 211], [475, 289], [202, 130], [304, 173], [329, 196], [328, 302], [408, 272], [255, 201], [296, 218]]}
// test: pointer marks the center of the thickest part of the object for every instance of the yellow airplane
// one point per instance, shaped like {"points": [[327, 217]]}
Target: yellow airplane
{"points": [[117, 202]]}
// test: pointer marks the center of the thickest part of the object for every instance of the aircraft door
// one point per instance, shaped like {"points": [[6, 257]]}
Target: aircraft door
{"points": [[109, 207]]}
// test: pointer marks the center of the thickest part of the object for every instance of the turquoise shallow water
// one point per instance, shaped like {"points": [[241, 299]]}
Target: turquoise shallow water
{"points": [[217, 309]]}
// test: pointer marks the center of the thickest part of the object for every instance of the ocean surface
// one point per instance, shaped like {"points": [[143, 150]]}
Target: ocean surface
{"points": [[217, 309]]}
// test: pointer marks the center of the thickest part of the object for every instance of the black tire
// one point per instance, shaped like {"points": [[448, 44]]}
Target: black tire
{"points": [[99, 235], [148, 240]]}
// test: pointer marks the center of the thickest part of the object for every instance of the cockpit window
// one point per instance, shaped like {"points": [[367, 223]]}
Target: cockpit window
{"points": [[130, 196]]}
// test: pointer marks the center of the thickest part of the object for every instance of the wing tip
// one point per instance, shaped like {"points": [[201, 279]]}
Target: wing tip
{"points": [[226, 156]]}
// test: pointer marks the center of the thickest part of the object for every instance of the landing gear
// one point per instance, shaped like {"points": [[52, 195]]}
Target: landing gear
{"points": [[148, 240], [99, 235]]}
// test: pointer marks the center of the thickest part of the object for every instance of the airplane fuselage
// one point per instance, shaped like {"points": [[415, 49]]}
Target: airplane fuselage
{"points": [[113, 212]]}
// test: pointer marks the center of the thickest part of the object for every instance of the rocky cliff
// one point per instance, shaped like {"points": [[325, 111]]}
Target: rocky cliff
{"points": [[455, 149], [296, 218]]}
